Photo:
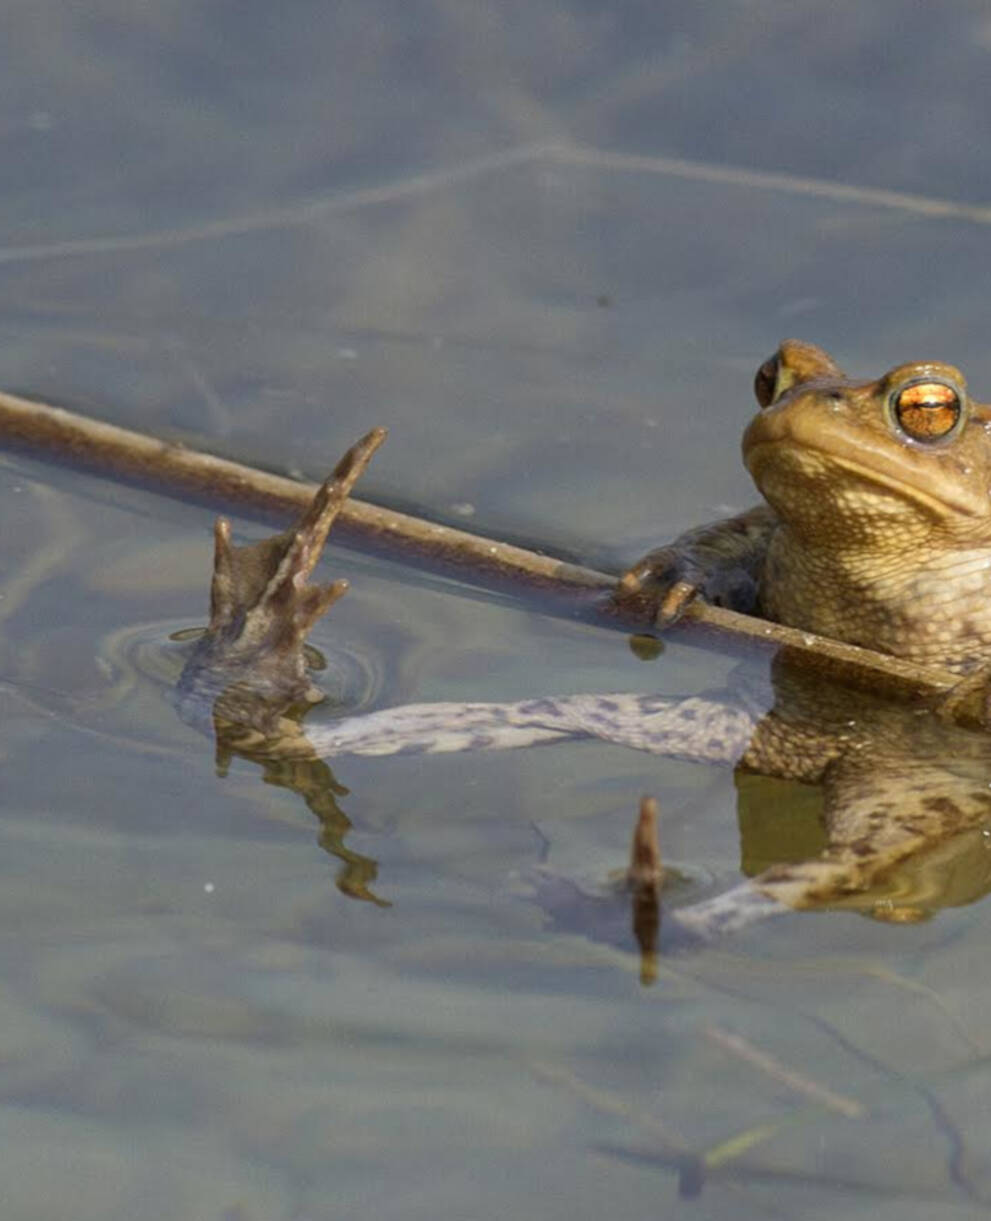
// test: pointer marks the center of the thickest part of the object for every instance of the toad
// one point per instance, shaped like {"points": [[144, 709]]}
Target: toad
{"points": [[876, 530]]}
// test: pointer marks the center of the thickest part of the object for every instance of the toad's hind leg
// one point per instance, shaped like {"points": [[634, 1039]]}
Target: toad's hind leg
{"points": [[700, 728], [874, 831], [261, 608]]}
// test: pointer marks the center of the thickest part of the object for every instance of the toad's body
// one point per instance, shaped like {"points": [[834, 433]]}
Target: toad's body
{"points": [[877, 531]]}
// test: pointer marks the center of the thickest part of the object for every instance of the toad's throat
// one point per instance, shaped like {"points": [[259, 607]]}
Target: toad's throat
{"points": [[903, 480]]}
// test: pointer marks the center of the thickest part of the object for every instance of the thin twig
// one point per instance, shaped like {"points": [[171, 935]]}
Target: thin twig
{"points": [[58, 435], [790, 1077]]}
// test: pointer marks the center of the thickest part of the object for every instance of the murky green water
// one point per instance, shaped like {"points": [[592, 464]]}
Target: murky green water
{"points": [[264, 231]]}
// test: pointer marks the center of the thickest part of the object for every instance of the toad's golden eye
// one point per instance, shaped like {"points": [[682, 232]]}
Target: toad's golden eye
{"points": [[927, 411]]}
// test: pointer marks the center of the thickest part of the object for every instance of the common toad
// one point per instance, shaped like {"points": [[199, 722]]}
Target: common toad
{"points": [[876, 530]]}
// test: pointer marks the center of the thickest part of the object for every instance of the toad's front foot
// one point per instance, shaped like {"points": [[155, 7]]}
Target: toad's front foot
{"points": [[666, 580], [719, 563]]}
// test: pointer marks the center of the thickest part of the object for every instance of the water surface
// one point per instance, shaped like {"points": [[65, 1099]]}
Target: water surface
{"points": [[263, 232]]}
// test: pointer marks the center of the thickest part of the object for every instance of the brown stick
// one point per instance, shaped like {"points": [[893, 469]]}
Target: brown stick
{"points": [[62, 436]]}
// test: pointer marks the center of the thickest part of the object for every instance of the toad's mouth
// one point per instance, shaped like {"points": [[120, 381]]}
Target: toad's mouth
{"points": [[824, 470], [935, 481]]}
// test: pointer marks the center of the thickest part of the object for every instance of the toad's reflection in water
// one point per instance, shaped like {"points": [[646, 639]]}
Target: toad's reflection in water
{"points": [[899, 783], [312, 779]]}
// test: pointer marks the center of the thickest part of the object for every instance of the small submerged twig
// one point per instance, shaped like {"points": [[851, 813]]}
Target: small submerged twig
{"points": [[608, 1102], [666, 1144], [56, 434], [790, 1077]]}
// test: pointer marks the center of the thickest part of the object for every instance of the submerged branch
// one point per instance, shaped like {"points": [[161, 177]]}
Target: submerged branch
{"points": [[55, 434]]}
